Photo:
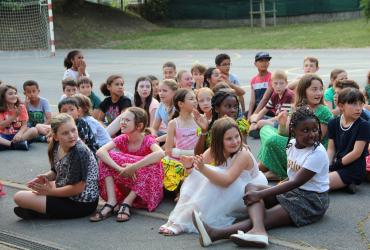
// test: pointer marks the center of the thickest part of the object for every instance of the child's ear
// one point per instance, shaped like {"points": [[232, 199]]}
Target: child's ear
{"points": [[140, 126], [55, 138]]}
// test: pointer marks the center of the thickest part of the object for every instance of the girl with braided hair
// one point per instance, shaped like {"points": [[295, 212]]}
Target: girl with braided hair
{"points": [[301, 200], [272, 154], [224, 103]]}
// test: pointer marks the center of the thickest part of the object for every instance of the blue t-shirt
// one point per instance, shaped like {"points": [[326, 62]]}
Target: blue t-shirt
{"points": [[36, 114], [162, 114]]}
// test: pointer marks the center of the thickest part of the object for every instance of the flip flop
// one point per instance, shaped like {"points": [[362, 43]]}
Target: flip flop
{"points": [[204, 238], [250, 240]]}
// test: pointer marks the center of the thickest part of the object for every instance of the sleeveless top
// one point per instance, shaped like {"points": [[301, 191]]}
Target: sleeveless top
{"points": [[185, 138]]}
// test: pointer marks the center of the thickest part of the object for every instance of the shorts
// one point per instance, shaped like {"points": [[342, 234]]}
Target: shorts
{"points": [[304, 207], [354, 173], [65, 208], [7, 137]]}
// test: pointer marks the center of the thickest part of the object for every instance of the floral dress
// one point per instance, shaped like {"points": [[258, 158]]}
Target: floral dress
{"points": [[148, 184]]}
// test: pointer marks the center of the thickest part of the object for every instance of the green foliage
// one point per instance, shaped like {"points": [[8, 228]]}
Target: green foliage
{"points": [[365, 6], [154, 10]]}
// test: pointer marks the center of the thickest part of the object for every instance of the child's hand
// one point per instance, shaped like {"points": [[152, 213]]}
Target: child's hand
{"points": [[82, 67], [41, 189], [251, 197], [253, 126], [201, 120], [41, 179], [17, 138], [187, 161], [129, 170], [198, 162], [282, 118]]}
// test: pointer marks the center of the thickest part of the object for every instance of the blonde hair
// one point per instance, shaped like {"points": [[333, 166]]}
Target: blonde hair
{"points": [[172, 84], [312, 59], [56, 122], [84, 104], [279, 75]]}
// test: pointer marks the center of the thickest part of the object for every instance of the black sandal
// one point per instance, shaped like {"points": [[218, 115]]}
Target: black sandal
{"points": [[121, 210], [98, 216]]}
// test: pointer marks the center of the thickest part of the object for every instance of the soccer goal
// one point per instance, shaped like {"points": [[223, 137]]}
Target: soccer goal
{"points": [[27, 25]]}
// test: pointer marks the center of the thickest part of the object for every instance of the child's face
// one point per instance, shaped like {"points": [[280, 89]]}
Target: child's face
{"points": [[165, 94], [85, 89], [351, 110], [205, 101], [198, 77], [116, 87], [314, 93], [186, 81], [262, 65], [32, 93], [144, 89], [279, 86], [309, 67], [127, 122], [336, 93], [169, 73], [77, 60], [67, 135], [224, 66], [215, 77], [155, 85], [189, 103], [70, 109], [306, 133], [11, 96], [341, 76], [232, 141], [228, 107], [69, 91]]}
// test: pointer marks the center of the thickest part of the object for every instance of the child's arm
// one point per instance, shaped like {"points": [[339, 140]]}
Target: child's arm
{"points": [[18, 136], [252, 101], [331, 150], [238, 90], [302, 176], [65, 191], [265, 98], [358, 148], [224, 179], [171, 130], [255, 118], [47, 117], [156, 123], [103, 155], [155, 156], [202, 122]]}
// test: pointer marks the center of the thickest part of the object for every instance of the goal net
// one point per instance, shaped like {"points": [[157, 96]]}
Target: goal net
{"points": [[24, 26]]}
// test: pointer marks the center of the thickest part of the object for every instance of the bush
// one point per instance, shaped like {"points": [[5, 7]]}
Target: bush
{"points": [[154, 10], [365, 6]]}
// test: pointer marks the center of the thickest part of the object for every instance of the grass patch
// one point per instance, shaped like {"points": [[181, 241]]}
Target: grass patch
{"points": [[341, 34]]}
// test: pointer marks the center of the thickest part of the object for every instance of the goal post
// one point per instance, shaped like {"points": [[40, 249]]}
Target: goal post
{"points": [[27, 25]]}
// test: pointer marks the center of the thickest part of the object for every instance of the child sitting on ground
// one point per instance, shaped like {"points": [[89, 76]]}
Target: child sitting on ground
{"points": [[281, 100], [197, 72], [349, 137], [39, 112], [335, 76], [85, 86], [301, 200], [169, 71], [70, 188], [14, 133], [75, 65]]}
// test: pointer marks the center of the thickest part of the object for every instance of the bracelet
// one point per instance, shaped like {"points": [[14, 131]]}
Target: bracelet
{"points": [[192, 165]]}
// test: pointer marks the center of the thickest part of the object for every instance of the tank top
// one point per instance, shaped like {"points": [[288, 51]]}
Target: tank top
{"points": [[185, 138]]}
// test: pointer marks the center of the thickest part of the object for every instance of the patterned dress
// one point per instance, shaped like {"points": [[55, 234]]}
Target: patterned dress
{"points": [[272, 153], [148, 184]]}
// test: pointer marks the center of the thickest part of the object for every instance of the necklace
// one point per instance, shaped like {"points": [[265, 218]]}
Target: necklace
{"points": [[343, 128]]}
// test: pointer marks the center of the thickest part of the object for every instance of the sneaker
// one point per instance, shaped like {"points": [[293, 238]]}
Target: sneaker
{"points": [[255, 133], [21, 145], [25, 213]]}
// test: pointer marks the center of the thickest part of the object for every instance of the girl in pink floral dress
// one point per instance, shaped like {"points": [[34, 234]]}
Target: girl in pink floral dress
{"points": [[131, 175]]}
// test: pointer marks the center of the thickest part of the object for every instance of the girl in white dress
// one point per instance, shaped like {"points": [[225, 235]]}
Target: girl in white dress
{"points": [[216, 191]]}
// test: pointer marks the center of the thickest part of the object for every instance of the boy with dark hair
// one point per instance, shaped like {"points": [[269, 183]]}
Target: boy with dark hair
{"points": [[169, 70], [38, 109], [69, 88], [197, 71], [85, 86], [223, 64], [261, 88]]}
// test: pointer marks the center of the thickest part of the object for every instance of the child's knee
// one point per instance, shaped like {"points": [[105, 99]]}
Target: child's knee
{"points": [[19, 198], [250, 187]]}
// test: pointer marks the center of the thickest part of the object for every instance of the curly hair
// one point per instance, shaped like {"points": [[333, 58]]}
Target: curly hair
{"points": [[302, 113]]}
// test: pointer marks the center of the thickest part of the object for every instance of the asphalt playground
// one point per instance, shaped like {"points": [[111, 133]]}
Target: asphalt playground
{"points": [[345, 226]]}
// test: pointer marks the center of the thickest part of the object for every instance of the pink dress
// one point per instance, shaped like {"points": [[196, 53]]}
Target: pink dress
{"points": [[149, 180]]}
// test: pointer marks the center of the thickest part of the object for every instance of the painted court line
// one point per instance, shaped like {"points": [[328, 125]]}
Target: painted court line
{"points": [[161, 216]]}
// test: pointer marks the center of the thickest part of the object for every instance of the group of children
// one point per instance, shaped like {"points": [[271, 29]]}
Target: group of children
{"points": [[186, 136]]}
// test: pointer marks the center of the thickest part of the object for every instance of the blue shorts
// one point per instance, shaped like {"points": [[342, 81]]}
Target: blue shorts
{"points": [[7, 137]]}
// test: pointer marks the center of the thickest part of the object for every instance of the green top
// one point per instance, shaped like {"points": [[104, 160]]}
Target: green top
{"points": [[324, 115], [95, 100], [367, 90], [329, 96]]}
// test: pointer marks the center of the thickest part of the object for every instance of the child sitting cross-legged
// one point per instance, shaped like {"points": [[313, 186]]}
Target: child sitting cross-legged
{"points": [[281, 100], [132, 174]]}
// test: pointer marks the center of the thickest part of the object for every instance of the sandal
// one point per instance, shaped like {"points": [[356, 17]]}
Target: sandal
{"points": [[98, 216], [169, 230], [121, 210]]}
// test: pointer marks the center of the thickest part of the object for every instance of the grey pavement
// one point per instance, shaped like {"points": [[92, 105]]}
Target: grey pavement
{"points": [[345, 226]]}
